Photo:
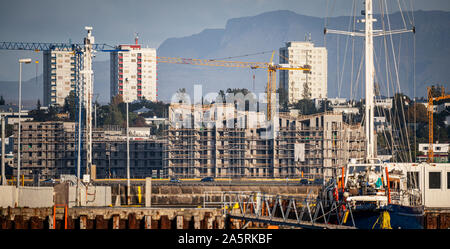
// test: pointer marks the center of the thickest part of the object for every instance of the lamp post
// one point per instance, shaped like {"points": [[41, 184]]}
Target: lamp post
{"points": [[27, 61], [2, 117], [128, 162]]}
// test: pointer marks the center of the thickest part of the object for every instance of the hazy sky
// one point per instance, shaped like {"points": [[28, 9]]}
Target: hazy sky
{"points": [[115, 21]]}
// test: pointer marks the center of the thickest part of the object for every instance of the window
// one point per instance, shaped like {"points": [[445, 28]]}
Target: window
{"points": [[434, 180], [448, 180], [412, 180]]}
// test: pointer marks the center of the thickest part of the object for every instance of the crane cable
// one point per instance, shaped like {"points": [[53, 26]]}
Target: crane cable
{"points": [[239, 56]]}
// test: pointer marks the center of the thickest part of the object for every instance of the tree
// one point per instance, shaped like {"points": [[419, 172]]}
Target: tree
{"points": [[9, 129], [221, 97], [2, 101], [283, 98], [70, 105], [244, 91], [436, 91], [45, 115], [306, 91], [116, 100], [399, 105], [181, 95], [139, 122], [417, 113], [306, 106]]}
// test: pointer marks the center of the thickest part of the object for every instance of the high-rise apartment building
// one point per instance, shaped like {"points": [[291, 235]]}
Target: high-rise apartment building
{"points": [[59, 76], [301, 84], [133, 73]]}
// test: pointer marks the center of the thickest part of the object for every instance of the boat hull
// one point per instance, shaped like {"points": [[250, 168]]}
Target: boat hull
{"points": [[401, 217]]}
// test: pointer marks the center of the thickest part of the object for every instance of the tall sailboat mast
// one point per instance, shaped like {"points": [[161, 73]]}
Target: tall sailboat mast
{"points": [[368, 35], [369, 85]]}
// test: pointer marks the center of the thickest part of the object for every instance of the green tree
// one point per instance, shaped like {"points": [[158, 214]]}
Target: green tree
{"points": [[306, 106], [9, 129], [139, 121], [71, 105], [181, 95], [436, 91], [417, 113]]}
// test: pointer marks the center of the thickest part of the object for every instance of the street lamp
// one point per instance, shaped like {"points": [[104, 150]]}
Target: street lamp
{"points": [[128, 161], [27, 61]]}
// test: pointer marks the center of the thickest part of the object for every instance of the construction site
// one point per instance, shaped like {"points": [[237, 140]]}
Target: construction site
{"points": [[49, 150], [293, 146], [233, 165]]}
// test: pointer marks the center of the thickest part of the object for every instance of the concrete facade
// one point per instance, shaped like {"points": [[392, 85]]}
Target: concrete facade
{"points": [[91, 196], [133, 73], [59, 76], [33, 197], [51, 148], [312, 146], [295, 82]]}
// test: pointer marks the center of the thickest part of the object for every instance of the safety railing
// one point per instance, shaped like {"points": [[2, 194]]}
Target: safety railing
{"points": [[60, 206], [308, 211]]}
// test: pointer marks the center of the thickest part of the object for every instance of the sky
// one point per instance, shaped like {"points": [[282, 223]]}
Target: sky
{"points": [[115, 22]]}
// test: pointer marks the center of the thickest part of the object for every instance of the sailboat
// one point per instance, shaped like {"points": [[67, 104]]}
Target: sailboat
{"points": [[380, 194]]}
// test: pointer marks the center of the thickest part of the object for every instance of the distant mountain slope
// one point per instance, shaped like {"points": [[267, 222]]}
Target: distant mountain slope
{"points": [[269, 31], [32, 89]]}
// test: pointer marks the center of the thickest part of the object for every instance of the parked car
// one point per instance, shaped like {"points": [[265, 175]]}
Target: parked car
{"points": [[51, 180], [207, 179], [318, 181], [174, 180], [304, 182]]}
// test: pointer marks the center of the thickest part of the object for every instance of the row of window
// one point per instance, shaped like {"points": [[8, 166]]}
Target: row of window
{"points": [[434, 180]]}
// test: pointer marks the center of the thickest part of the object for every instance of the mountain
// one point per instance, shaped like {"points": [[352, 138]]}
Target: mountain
{"points": [[269, 31], [33, 89]]}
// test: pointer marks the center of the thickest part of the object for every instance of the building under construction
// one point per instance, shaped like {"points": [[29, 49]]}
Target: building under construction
{"points": [[50, 149], [220, 141]]}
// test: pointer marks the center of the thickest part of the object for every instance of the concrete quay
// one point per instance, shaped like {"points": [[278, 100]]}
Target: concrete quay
{"points": [[111, 218]]}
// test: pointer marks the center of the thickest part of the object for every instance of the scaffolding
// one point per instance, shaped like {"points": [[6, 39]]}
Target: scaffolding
{"points": [[245, 152]]}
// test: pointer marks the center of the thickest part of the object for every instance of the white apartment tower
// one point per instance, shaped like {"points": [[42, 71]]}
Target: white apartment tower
{"points": [[59, 76], [300, 84], [133, 73]]}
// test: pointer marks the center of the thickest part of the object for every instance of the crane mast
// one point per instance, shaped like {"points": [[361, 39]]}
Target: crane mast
{"points": [[87, 82], [84, 52], [431, 98]]}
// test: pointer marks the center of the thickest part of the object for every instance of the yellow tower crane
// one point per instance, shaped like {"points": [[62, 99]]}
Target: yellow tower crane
{"points": [[271, 71], [430, 118]]}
